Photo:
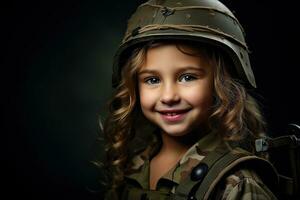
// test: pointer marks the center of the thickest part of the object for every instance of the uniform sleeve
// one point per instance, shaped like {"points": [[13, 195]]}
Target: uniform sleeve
{"points": [[245, 185]]}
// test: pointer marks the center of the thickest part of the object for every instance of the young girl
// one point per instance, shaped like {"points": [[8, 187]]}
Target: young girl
{"points": [[181, 76]]}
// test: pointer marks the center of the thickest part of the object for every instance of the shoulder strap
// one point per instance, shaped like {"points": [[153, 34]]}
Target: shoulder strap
{"points": [[218, 163]]}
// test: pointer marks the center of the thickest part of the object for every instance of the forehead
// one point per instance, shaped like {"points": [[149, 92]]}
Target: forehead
{"points": [[176, 55], [192, 49]]}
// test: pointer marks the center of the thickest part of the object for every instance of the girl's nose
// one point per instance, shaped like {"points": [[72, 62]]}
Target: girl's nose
{"points": [[170, 95]]}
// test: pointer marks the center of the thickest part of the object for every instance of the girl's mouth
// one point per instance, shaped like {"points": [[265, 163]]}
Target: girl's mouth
{"points": [[173, 116]]}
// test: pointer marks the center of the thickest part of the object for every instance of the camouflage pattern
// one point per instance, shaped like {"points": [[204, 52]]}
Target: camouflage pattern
{"points": [[243, 184]]}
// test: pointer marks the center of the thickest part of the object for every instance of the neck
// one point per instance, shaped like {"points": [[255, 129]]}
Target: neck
{"points": [[180, 144], [173, 145]]}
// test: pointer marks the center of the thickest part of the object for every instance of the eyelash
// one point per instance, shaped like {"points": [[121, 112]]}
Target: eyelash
{"points": [[191, 77], [150, 79], [155, 80]]}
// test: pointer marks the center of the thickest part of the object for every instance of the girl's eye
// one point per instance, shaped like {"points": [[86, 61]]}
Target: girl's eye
{"points": [[187, 78], [152, 80]]}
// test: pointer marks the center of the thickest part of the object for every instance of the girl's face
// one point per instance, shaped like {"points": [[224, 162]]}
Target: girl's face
{"points": [[175, 89]]}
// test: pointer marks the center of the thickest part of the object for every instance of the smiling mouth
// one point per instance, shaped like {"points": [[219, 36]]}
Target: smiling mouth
{"points": [[173, 115], [170, 114], [173, 112]]}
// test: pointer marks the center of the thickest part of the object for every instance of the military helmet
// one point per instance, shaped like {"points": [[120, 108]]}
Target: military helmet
{"points": [[204, 21]]}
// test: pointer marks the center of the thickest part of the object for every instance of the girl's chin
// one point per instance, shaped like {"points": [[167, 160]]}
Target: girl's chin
{"points": [[175, 132]]}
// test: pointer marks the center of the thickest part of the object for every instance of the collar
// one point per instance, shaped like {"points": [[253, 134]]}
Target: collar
{"points": [[141, 163]]}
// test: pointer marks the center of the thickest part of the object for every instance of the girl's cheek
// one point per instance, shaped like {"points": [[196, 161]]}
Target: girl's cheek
{"points": [[199, 96], [147, 98]]}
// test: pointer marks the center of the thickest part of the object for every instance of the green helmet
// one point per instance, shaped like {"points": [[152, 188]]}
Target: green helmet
{"points": [[205, 21]]}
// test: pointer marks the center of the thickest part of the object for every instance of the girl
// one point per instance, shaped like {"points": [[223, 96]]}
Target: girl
{"points": [[181, 76]]}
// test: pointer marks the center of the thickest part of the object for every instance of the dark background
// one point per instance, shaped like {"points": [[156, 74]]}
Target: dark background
{"points": [[55, 80]]}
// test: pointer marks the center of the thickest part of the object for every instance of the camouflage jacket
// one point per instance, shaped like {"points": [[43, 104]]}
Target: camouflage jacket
{"points": [[242, 184]]}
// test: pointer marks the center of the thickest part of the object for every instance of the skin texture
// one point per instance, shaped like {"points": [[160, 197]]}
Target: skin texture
{"points": [[176, 92], [173, 82]]}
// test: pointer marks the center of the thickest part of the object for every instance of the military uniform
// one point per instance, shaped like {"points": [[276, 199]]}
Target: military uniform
{"points": [[241, 184]]}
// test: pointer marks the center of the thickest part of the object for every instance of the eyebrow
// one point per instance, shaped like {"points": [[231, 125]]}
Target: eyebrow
{"points": [[147, 71], [152, 71], [196, 68]]}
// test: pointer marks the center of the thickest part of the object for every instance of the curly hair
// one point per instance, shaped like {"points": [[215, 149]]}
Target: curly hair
{"points": [[235, 114], [118, 130]]}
